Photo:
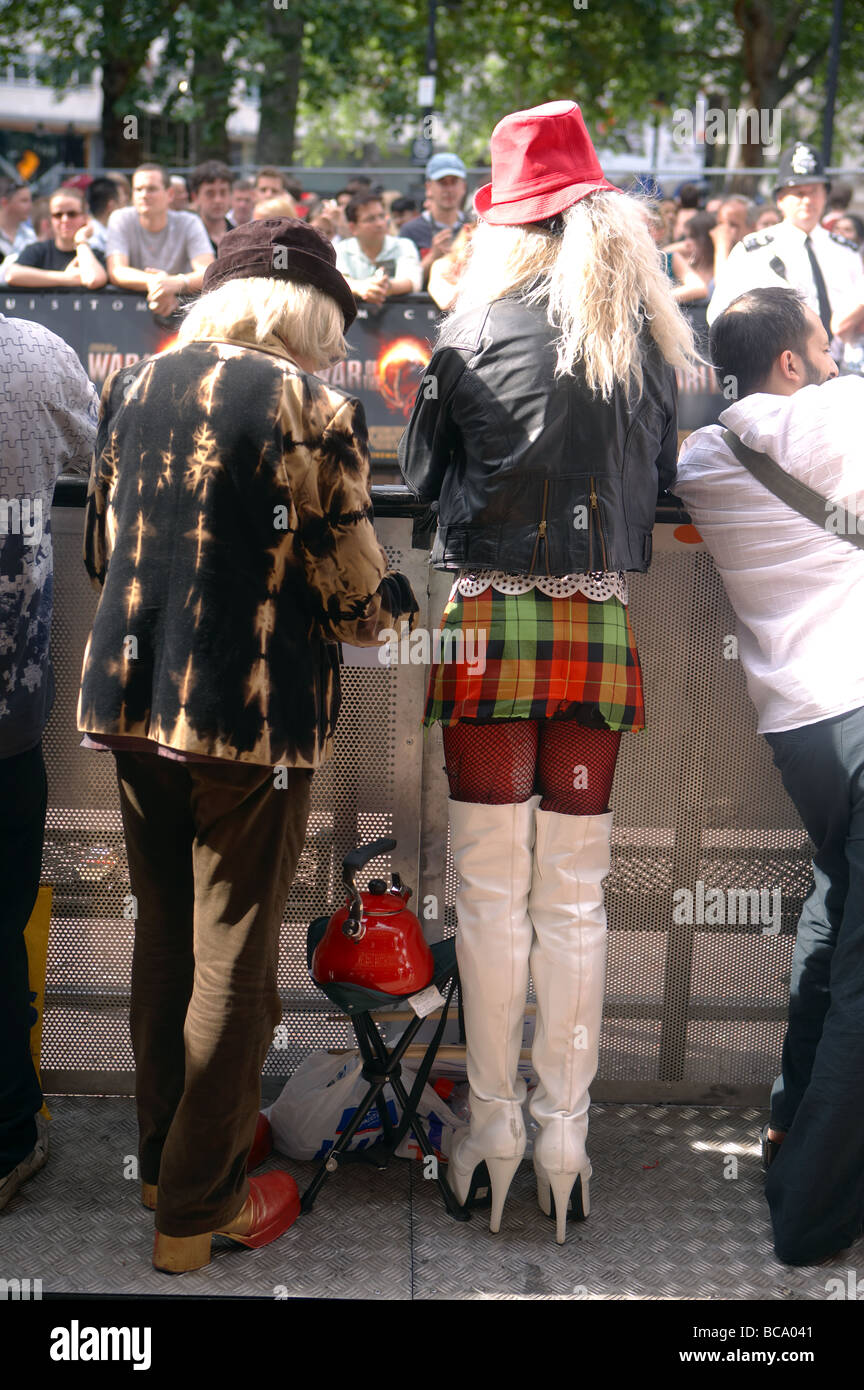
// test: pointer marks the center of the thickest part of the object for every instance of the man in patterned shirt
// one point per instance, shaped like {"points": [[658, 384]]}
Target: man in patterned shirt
{"points": [[48, 413]]}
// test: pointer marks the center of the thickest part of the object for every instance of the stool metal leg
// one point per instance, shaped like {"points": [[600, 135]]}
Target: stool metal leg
{"points": [[341, 1145], [381, 1068], [416, 1126], [377, 1061]]}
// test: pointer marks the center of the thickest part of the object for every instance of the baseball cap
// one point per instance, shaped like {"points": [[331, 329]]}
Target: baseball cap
{"points": [[440, 165]]}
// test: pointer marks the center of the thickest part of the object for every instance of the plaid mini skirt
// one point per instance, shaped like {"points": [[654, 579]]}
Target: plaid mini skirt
{"points": [[531, 656]]}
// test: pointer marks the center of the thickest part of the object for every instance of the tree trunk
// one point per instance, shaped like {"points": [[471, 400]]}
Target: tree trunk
{"points": [[716, 155], [280, 88], [760, 57], [121, 140], [212, 82]]}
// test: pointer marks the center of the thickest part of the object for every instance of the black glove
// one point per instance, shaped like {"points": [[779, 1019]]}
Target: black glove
{"points": [[398, 596]]}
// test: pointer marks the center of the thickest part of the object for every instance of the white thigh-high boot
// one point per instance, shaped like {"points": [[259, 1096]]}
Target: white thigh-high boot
{"points": [[492, 854], [568, 966]]}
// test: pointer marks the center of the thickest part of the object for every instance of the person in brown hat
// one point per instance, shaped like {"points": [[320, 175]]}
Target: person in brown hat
{"points": [[229, 527], [550, 428]]}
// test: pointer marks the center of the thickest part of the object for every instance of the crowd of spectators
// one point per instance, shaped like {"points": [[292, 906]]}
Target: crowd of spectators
{"points": [[696, 234], [158, 233]]}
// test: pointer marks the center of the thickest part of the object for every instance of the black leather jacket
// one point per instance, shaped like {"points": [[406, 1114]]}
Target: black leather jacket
{"points": [[533, 475]]}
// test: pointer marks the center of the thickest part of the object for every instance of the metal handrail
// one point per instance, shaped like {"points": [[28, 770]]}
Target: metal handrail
{"points": [[388, 500]]}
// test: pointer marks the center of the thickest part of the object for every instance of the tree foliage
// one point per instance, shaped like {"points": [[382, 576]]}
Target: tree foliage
{"points": [[347, 72], [116, 36]]}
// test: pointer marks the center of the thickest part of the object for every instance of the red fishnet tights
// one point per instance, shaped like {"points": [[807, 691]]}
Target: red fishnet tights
{"points": [[504, 762]]}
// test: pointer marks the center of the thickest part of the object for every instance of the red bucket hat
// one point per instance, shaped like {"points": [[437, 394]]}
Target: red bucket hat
{"points": [[542, 163]]}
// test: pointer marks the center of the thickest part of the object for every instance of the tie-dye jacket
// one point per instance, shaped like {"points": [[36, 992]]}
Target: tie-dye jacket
{"points": [[229, 522]]}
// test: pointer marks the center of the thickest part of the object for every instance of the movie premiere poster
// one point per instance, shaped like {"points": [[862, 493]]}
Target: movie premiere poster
{"points": [[389, 350], [390, 347], [107, 330]]}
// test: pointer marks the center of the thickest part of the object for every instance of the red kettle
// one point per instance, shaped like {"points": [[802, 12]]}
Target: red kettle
{"points": [[374, 940]]}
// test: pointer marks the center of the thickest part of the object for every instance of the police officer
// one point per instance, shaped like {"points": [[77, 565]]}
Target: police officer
{"points": [[799, 253]]}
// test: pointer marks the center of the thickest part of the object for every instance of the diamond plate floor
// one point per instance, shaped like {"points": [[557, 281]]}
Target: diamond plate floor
{"points": [[677, 1213]]}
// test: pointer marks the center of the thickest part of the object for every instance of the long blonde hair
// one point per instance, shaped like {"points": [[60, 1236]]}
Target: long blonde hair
{"points": [[601, 278], [256, 308]]}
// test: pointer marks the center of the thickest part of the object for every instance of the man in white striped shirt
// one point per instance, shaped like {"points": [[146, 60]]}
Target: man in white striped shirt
{"points": [[797, 588]]}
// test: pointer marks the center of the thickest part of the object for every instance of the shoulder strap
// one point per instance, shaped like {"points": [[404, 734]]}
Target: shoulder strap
{"points": [[797, 495]]}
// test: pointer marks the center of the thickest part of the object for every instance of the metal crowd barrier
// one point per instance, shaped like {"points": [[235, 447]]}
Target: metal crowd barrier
{"points": [[389, 346], [696, 992]]}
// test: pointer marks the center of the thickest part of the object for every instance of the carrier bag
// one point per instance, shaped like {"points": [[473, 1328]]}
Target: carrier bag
{"points": [[318, 1102]]}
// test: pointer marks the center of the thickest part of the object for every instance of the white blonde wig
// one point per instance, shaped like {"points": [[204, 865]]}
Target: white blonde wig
{"points": [[600, 280], [255, 308]]}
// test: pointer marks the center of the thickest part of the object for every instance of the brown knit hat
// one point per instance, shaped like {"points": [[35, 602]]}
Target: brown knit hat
{"points": [[281, 248]]}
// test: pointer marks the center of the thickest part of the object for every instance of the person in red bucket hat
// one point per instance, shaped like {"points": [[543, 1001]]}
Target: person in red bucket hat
{"points": [[551, 428], [543, 162]]}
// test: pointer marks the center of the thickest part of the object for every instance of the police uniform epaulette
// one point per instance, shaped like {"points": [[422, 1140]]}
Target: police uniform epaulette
{"points": [[843, 241], [754, 240]]}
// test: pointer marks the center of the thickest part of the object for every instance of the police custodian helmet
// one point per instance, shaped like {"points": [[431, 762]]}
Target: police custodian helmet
{"points": [[800, 164]]}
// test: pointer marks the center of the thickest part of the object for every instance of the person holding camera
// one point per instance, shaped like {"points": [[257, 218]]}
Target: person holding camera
{"points": [[376, 265], [776, 488]]}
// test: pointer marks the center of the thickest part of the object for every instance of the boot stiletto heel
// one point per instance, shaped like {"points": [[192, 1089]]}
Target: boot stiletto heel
{"points": [[477, 1189], [501, 1173], [486, 1184], [571, 860], [571, 1195]]}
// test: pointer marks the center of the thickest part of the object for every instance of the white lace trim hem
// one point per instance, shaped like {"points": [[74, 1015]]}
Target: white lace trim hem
{"points": [[595, 586]]}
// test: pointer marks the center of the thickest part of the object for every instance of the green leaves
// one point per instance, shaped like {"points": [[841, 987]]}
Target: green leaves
{"points": [[355, 74]]}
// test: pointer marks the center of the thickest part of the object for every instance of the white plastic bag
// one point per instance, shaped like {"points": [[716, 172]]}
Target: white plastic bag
{"points": [[318, 1102]]}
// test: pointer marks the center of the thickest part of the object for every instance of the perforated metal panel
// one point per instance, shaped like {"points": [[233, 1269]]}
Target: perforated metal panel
{"points": [[690, 1006]]}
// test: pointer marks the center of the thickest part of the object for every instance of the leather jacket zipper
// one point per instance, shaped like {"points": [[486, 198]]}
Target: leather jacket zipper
{"points": [[541, 533], [595, 515]]}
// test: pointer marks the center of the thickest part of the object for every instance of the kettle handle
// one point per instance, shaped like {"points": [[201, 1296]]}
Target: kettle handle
{"points": [[357, 859], [353, 862]]}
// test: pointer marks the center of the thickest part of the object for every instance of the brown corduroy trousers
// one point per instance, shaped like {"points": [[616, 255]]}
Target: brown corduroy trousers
{"points": [[212, 852]]}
